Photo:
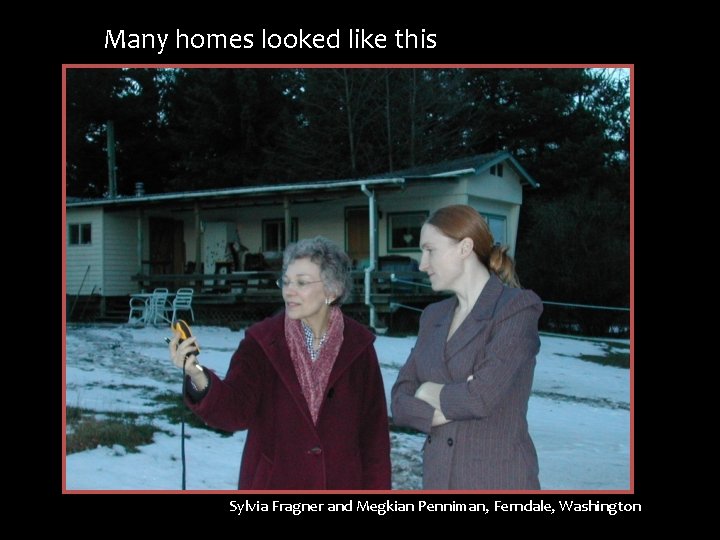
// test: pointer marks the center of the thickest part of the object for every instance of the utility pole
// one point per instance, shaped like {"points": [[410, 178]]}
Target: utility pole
{"points": [[112, 176]]}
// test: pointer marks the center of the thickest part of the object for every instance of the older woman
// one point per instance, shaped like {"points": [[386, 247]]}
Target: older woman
{"points": [[305, 383]]}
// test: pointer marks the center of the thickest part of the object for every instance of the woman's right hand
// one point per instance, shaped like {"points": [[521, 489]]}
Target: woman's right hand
{"points": [[181, 355], [179, 352]]}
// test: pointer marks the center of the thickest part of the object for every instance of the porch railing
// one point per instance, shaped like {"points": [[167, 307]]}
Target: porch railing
{"points": [[386, 287]]}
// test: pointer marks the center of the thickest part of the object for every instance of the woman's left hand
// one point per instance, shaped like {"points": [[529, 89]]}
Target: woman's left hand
{"points": [[429, 392], [439, 418]]}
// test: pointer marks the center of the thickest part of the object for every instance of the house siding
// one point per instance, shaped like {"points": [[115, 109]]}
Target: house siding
{"points": [[505, 188], [417, 199], [500, 196], [120, 253], [79, 257], [326, 220], [112, 255]]}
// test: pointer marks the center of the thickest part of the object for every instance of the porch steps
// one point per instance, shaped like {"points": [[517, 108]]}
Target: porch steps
{"points": [[89, 309], [116, 310]]}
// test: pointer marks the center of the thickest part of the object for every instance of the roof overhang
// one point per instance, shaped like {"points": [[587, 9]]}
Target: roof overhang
{"points": [[279, 190], [525, 177]]}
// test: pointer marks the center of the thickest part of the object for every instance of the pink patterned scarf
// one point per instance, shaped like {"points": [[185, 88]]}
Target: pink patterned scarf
{"points": [[313, 376]]}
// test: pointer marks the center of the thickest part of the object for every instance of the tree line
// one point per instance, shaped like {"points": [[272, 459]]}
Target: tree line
{"points": [[186, 129]]}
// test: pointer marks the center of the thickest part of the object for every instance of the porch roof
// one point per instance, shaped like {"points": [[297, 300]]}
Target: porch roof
{"points": [[447, 170], [247, 191]]}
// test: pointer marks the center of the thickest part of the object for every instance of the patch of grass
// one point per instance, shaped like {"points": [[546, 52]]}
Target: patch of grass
{"points": [[176, 411], [89, 432], [125, 387], [74, 414], [124, 415], [593, 402], [615, 355], [613, 358]]}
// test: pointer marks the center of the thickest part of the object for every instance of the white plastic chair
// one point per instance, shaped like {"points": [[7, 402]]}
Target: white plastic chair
{"points": [[140, 306], [182, 302], [157, 306]]}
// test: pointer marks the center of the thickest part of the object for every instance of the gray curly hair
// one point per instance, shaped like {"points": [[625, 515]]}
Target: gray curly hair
{"points": [[333, 262]]}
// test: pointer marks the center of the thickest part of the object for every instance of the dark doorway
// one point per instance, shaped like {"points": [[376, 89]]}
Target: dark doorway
{"points": [[167, 248], [357, 234]]}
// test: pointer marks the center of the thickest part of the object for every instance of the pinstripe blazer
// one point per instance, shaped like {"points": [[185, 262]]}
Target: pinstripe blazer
{"points": [[487, 445]]}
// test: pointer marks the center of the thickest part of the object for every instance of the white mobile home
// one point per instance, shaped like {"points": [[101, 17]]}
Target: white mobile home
{"points": [[117, 246]]}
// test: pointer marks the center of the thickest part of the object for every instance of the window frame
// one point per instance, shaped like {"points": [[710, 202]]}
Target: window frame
{"points": [[390, 217], [487, 216], [497, 170], [281, 222], [83, 230]]}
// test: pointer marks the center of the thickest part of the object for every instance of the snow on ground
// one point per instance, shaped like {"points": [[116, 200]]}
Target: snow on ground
{"points": [[579, 413]]}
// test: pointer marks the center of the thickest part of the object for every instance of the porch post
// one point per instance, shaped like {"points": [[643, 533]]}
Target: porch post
{"points": [[139, 247], [198, 244], [288, 223], [373, 254]]}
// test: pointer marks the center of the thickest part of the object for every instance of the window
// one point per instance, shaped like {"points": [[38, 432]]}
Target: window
{"points": [[80, 233], [404, 230], [497, 170], [274, 233], [497, 226]]}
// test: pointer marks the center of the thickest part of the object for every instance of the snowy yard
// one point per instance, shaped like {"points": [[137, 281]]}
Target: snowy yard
{"points": [[579, 413]]}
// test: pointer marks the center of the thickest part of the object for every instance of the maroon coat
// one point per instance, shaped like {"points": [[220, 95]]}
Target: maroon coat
{"points": [[350, 446]]}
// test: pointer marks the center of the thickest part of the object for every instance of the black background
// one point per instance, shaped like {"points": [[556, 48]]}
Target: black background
{"points": [[473, 38]]}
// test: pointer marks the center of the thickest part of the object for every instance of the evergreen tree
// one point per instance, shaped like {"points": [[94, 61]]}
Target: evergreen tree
{"points": [[130, 98], [183, 129], [223, 125]]}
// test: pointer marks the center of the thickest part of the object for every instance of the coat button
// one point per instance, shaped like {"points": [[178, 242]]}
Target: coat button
{"points": [[316, 451], [450, 441], [429, 439]]}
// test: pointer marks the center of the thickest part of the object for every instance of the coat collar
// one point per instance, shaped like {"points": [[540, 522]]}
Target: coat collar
{"points": [[478, 318], [270, 335], [485, 305]]}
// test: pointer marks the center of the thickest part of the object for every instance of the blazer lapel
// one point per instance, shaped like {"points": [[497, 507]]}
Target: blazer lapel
{"points": [[431, 342], [475, 323]]}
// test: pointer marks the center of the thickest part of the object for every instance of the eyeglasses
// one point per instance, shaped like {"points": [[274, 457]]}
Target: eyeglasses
{"points": [[299, 285]]}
